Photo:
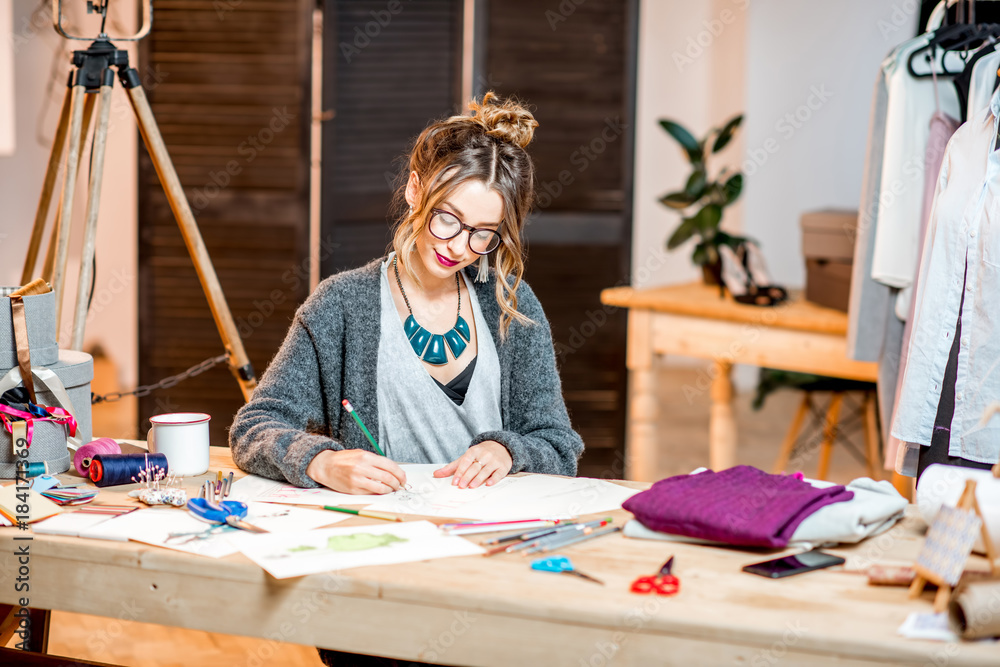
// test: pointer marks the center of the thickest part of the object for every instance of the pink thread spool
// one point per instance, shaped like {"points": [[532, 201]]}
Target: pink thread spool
{"points": [[84, 455]]}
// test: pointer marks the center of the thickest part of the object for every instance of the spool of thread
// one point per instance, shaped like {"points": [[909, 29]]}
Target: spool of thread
{"points": [[115, 469], [84, 455], [972, 610], [38, 468]]}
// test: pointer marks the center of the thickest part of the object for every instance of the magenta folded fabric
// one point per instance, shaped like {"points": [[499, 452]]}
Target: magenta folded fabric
{"points": [[742, 506]]}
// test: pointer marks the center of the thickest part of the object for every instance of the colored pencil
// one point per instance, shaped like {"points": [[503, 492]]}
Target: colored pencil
{"points": [[350, 409], [535, 536], [561, 532], [513, 523], [475, 530], [371, 514], [531, 534], [573, 531], [573, 540]]}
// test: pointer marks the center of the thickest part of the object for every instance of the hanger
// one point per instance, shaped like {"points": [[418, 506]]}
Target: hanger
{"points": [[956, 37]]}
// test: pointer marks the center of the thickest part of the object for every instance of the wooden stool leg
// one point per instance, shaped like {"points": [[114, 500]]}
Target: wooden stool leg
{"points": [[792, 435], [829, 434], [873, 459]]}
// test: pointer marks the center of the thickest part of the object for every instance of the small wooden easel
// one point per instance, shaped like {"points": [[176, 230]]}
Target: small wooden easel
{"points": [[953, 544]]}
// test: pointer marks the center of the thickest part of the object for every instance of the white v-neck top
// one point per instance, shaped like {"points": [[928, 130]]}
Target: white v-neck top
{"points": [[418, 423]]}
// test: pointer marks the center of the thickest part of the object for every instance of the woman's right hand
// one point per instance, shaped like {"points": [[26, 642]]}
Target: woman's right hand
{"points": [[356, 471]]}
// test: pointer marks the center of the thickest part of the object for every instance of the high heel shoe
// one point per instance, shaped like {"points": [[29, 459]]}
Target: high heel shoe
{"points": [[741, 269]]}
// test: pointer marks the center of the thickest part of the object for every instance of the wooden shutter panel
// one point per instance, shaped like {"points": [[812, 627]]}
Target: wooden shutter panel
{"points": [[385, 76], [232, 102]]}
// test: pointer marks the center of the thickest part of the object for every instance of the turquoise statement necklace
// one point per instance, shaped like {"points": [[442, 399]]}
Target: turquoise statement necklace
{"points": [[428, 346]]}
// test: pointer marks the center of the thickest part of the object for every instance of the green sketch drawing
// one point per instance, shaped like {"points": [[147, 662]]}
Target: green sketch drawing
{"points": [[352, 542]]}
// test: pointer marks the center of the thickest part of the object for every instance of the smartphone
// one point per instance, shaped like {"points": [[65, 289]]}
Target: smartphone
{"points": [[797, 564]]}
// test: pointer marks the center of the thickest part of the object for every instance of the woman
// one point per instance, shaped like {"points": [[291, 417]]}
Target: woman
{"points": [[441, 369]]}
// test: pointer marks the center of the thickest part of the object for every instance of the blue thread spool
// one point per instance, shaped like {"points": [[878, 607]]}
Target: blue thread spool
{"points": [[38, 468], [116, 469]]}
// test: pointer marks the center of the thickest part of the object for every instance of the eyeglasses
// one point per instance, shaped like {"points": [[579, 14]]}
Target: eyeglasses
{"points": [[446, 226]]}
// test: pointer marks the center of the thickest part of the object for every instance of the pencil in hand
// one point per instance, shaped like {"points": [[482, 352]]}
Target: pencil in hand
{"points": [[350, 409]]}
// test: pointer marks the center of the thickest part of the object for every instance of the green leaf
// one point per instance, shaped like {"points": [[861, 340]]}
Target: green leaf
{"points": [[732, 189], [707, 219], [685, 231], [696, 183], [677, 200], [684, 138], [726, 133]]}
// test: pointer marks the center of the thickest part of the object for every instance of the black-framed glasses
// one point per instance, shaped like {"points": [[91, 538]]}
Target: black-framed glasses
{"points": [[446, 226]]}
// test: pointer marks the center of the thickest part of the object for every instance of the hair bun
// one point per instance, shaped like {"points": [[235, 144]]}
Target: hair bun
{"points": [[504, 118]]}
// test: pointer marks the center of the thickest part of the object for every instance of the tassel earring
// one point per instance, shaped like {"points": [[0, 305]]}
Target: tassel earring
{"points": [[484, 270]]}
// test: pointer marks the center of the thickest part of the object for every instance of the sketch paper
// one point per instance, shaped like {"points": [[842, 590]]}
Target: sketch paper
{"points": [[70, 523], [154, 526], [294, 555], [512, 498], [529, 497], [261, 489]]}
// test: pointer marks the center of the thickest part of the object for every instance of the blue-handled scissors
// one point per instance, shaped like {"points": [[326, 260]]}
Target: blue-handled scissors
{"points": [[229, 512], [561, 565]]}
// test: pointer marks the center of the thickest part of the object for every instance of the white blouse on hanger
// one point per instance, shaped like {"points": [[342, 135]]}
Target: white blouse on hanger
{"points": [[964, 229], [907, 129]]}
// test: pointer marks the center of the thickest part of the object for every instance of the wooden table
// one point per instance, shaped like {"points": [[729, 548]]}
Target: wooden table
{"points": [[497, 611], [692, 320]]}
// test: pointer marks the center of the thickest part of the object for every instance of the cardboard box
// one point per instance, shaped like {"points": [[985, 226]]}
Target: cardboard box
{"points": [[828, 247], [828, 283], [829, 234]]}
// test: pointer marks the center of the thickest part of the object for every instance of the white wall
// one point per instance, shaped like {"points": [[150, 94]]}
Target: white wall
{"points": [[41, 61], [700, 63], [690, 70], [7, 142], [811, 69]]}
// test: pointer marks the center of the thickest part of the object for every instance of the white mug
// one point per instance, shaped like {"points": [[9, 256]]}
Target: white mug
{"points": [[183, 438]]}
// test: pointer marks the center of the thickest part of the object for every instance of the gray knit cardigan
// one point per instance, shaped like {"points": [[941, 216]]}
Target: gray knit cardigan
{"points": [[331, 353]]}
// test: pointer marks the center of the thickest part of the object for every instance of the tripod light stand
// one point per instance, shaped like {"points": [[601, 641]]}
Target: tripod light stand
{"points": [[90, 84]]}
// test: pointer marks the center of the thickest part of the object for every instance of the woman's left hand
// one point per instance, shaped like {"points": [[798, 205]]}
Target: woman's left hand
{"points": [[488, 462]]}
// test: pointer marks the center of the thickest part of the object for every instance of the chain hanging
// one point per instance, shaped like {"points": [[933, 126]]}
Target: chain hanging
{"points": [[165, 383]]}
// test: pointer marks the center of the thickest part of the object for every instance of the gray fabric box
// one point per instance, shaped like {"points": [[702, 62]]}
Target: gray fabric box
{"points": [[40, 313], [75, 370]]}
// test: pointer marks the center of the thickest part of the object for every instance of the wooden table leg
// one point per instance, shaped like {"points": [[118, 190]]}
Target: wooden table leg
{"points": [[722, 424], [640, 440]]}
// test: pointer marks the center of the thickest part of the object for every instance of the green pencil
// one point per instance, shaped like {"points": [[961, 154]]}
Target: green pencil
{"points": [[371, 514], [350, 409]]}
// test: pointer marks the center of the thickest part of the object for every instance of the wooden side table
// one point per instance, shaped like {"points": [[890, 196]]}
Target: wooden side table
{"points": [[692, 320]]}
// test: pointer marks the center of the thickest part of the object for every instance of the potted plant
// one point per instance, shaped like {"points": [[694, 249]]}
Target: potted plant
{"points": [[704, 197]]}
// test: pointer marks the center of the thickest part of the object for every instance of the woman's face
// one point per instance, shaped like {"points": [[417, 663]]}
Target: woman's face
{"points": [[474, 205]]}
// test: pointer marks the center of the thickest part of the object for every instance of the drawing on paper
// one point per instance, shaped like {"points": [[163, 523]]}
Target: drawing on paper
{"points": [[342, 543]]}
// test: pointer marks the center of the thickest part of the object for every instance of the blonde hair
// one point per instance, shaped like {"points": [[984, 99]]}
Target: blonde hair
{"points": [[487, 145]]}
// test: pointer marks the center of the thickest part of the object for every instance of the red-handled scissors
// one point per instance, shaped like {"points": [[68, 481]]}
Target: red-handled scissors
{"points": [[662, 583]]}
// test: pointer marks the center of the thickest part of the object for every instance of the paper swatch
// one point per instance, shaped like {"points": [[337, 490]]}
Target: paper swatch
{"points": [[295, 555]]}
